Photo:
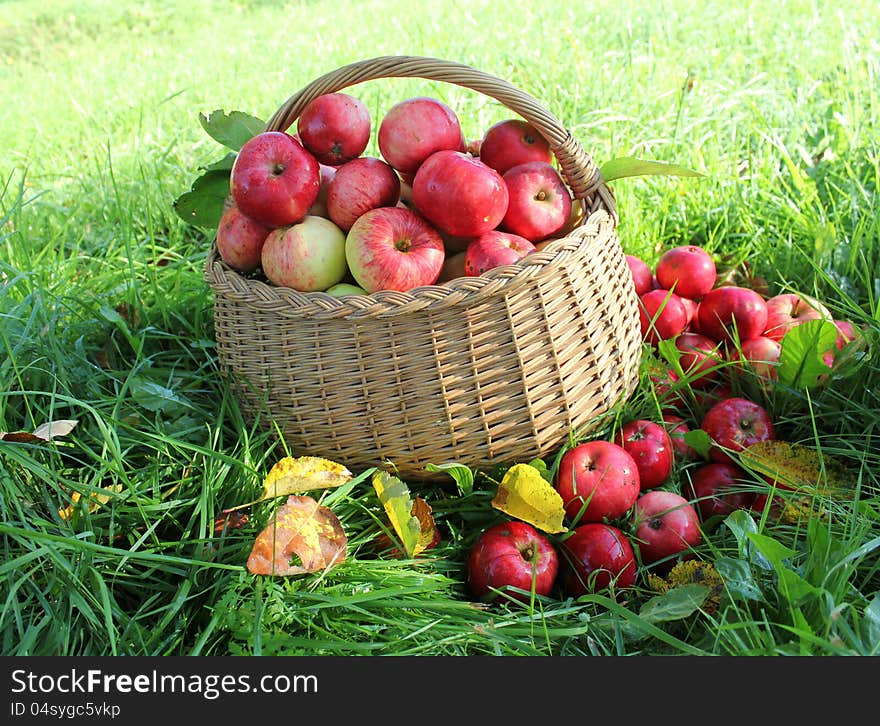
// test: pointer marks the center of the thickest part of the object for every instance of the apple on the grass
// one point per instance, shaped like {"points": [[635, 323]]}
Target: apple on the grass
{"points": [[731, 313], [847, 333], [307, 256], [240, 240], [641, 274], [761, 354], [665, 525], [677, 427], [651, 448], [413, 129], [595, 556], [459, 194], [662, 315], [358, 186], [335, 127], [699, 358], [392, 248], [511, 555], [787, 310], [734, 424], [688, 270], [597, 480], [716, 489], [493, 249], [539, 202], [274, 179], [510, 142]]}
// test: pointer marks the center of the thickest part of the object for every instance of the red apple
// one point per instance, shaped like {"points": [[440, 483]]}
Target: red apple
{"points": [[651, 448], [360, 185], [459, 194], [687, 270], [319, 206], [761, 353], [716, 489], [414, 129], [335, 127], [511, 142], [847, 332], [597, 480], [731, 313], [641, 273], [690, 307], [274, 180], [661, 315], [665, 525], [493, 249], [677, 427], [594, 557], [511, 555], [240, 240], [789, 309], [734, 424], [699, 359], [307, 256], [539, 203], [392, 248]]}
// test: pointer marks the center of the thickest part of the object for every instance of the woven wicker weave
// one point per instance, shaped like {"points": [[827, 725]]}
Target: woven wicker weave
{"points": [[479, 370]]}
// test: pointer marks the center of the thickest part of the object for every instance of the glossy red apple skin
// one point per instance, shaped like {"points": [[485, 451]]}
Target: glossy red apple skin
{"points": [[511, 554], [716, 489], [335, 127], [731, 313], [511, 142], [493, 249], [665, 526], [539, 202], [687, 270], [358, 186], [413, 129], [597, 480], [700, 358], [594, 557], [736, 423], [459, 194], [847, 332], [319, 206], [393, 248], [787, 310], [677, 427], [308, 256], [761, 354], [641, 273], [240, 240], [651, 448], [662, 315], [274, 179]]}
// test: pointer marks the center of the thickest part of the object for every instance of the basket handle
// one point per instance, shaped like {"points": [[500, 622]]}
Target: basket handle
{"points": [[577, 168]]}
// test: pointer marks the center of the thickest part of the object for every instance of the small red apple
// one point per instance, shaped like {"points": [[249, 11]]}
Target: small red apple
{"points": [[730, 313], [597, 480], [335, 127], [319, 206], [493, 249], [717, 489], [847, 332], [651, 448], [594, 557], [511, 142], [415, 128], [641, 273], [274, 179], [688, 270], [240, 240], [734, 424], [539, 202], [787, 310], [358, 186], [761, 353], [699, 359], [665, 524], [661, 315], [677, 427], [511, 555]]}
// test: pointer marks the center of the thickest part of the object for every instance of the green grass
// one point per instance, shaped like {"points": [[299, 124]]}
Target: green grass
{"points": [[105, 317]]}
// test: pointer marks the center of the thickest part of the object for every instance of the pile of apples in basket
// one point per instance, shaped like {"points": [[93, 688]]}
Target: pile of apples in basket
{"points": [[311, 211]]}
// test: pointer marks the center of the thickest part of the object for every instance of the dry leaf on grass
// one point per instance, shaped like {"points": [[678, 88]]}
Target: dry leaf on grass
{"points": [[45, 432]]}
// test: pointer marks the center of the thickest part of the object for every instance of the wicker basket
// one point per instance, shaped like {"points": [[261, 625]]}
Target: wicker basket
{"points": [[478, 370]]}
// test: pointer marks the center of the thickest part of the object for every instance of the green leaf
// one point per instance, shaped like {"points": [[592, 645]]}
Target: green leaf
{"points": [[203, 205], [155, 397], [738, 579], [800, 359], [541, 466], [773, 550], [699, 441], [741, 524], [679, 602], [628, 166], [872, 623], [793, 585], [224, 164], [462, 475], [232, 129]]}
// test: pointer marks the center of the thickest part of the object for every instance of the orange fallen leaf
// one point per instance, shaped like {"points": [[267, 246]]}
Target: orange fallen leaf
{"points": [[302, 529], [429, 535]]}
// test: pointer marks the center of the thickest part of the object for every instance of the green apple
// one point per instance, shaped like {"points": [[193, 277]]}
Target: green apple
{"points": [[307, 256], [345, 288]]}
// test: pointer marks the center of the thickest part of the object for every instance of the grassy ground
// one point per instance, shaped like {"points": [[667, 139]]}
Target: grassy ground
{"points": [[105, 317]]}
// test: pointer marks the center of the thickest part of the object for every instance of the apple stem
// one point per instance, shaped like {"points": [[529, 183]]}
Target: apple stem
{"points": [[277, 169], [403, 245]]}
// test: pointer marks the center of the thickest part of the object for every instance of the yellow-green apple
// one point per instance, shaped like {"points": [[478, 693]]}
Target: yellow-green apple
{"points": [[641, 274], [665, 525], [307, 256], [513, 141], [274, 179], [345, 288], [459, 194], [789, 309], [735, 423], [393, 248], [699, 358], [360, 185], [596, 556], [413, 129], [335, 127], [716, 488], [662, 315], [650, 446], [597, 480], [493, 249], [731, 313], [687, 270], [539, 202], [511, 555], [240, 240]]}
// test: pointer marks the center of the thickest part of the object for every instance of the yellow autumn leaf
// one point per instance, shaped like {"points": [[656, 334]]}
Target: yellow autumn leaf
{"points": [[303, 473], [396, 500], [797, 467], [526, 495], [96, 500]]}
